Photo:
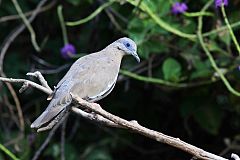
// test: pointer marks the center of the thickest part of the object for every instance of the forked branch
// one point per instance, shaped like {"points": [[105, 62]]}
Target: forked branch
{"points": [[103, 117]]}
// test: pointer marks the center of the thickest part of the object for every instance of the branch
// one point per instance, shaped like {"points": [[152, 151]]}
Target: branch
{"points": [[40, 77], [26, 84], [103, 117], [27, 14], [95, 117], [135, 127], [46, 89]]}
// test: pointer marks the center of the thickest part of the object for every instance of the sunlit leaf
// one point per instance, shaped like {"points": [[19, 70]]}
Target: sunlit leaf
{"points": [[171, 69]]}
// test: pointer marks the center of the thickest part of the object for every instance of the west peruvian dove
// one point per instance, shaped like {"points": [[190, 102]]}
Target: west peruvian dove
{"points": [[91, 77]]}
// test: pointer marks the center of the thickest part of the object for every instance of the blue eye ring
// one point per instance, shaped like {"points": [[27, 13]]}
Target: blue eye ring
{"points": [[127, 44]]}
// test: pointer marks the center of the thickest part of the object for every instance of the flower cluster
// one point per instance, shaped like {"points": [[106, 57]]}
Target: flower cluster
{"points": [[68, 51], [218, 3], [178, 7], [181, 7]]}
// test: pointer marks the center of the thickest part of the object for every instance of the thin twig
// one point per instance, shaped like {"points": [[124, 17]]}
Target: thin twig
{"points": [[28, 25], [10, 107], [91, 16], [54, 71], [63, 133], [18, 105], [27, 14], [29, 83], [42, 80], [229, 28], [62, 23], [47, 140], [13, 35], [164, 82]]}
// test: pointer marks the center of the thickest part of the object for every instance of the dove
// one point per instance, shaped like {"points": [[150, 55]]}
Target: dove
{"points": [[91, 77]]}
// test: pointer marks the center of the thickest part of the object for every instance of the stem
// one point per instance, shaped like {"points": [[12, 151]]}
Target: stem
{"points": [[163, 82], [230, 29], [197, 14], [210, 57], [233, 25], [28, 25], [161, 22], [8, 152], [63, 27], [91, 16]]}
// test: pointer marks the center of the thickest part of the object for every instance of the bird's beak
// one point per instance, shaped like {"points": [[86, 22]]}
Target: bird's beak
{"points": [[135, 55]]}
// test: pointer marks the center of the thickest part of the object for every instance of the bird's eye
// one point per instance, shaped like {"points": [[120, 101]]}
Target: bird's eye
{"points": [[127, 45]]}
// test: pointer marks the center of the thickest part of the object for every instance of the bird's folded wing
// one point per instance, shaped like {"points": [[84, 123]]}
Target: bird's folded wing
{"points": [[54, 108]]}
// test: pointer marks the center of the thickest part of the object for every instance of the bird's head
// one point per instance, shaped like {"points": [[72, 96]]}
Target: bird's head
{"points": [[127, 46]]}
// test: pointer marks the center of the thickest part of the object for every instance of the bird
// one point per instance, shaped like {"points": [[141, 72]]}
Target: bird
{"points": [[91, 77]]}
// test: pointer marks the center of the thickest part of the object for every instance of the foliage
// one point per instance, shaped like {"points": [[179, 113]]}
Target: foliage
{"points": [[186, 86]]}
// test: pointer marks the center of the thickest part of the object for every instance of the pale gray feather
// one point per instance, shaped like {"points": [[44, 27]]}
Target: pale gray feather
{"points": [[91, 77]]}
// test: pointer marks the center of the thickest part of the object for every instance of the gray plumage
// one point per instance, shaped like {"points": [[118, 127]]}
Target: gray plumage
{"points": [[91, 77]]}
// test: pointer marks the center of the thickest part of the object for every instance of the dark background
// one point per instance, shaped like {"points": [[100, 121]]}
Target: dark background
{"points": [[205, 115]]}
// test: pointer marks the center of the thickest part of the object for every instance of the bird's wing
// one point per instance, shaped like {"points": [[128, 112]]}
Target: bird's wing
{"points": [[60, 100], [98, 81]]}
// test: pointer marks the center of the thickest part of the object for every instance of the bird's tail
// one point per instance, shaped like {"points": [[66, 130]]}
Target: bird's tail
{"points": [[56, 106]]}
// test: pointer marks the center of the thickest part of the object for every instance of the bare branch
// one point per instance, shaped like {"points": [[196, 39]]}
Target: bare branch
{"points": [[160, 137], [17, 103], [95, 117], [40, 77], [29, 13], [13, 35], [28, 83], [103, 117]]}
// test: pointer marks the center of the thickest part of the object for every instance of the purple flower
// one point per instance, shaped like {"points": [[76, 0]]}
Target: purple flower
{"points": [[179, 7], [218, 3], [68, 51]]}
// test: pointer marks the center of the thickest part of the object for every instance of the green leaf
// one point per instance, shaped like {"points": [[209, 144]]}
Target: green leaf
{"points": [[171, 70], [138, 29], [207, 114], [163, 8], [203, 69], [209, 118], [204, 73], [151, 46], [225, 37]]}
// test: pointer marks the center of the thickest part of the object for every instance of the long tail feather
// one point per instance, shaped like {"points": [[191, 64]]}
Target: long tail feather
{"points": [[53, 109]]}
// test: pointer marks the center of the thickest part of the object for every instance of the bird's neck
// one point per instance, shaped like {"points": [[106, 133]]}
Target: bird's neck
{"points": [[115, 54]]}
